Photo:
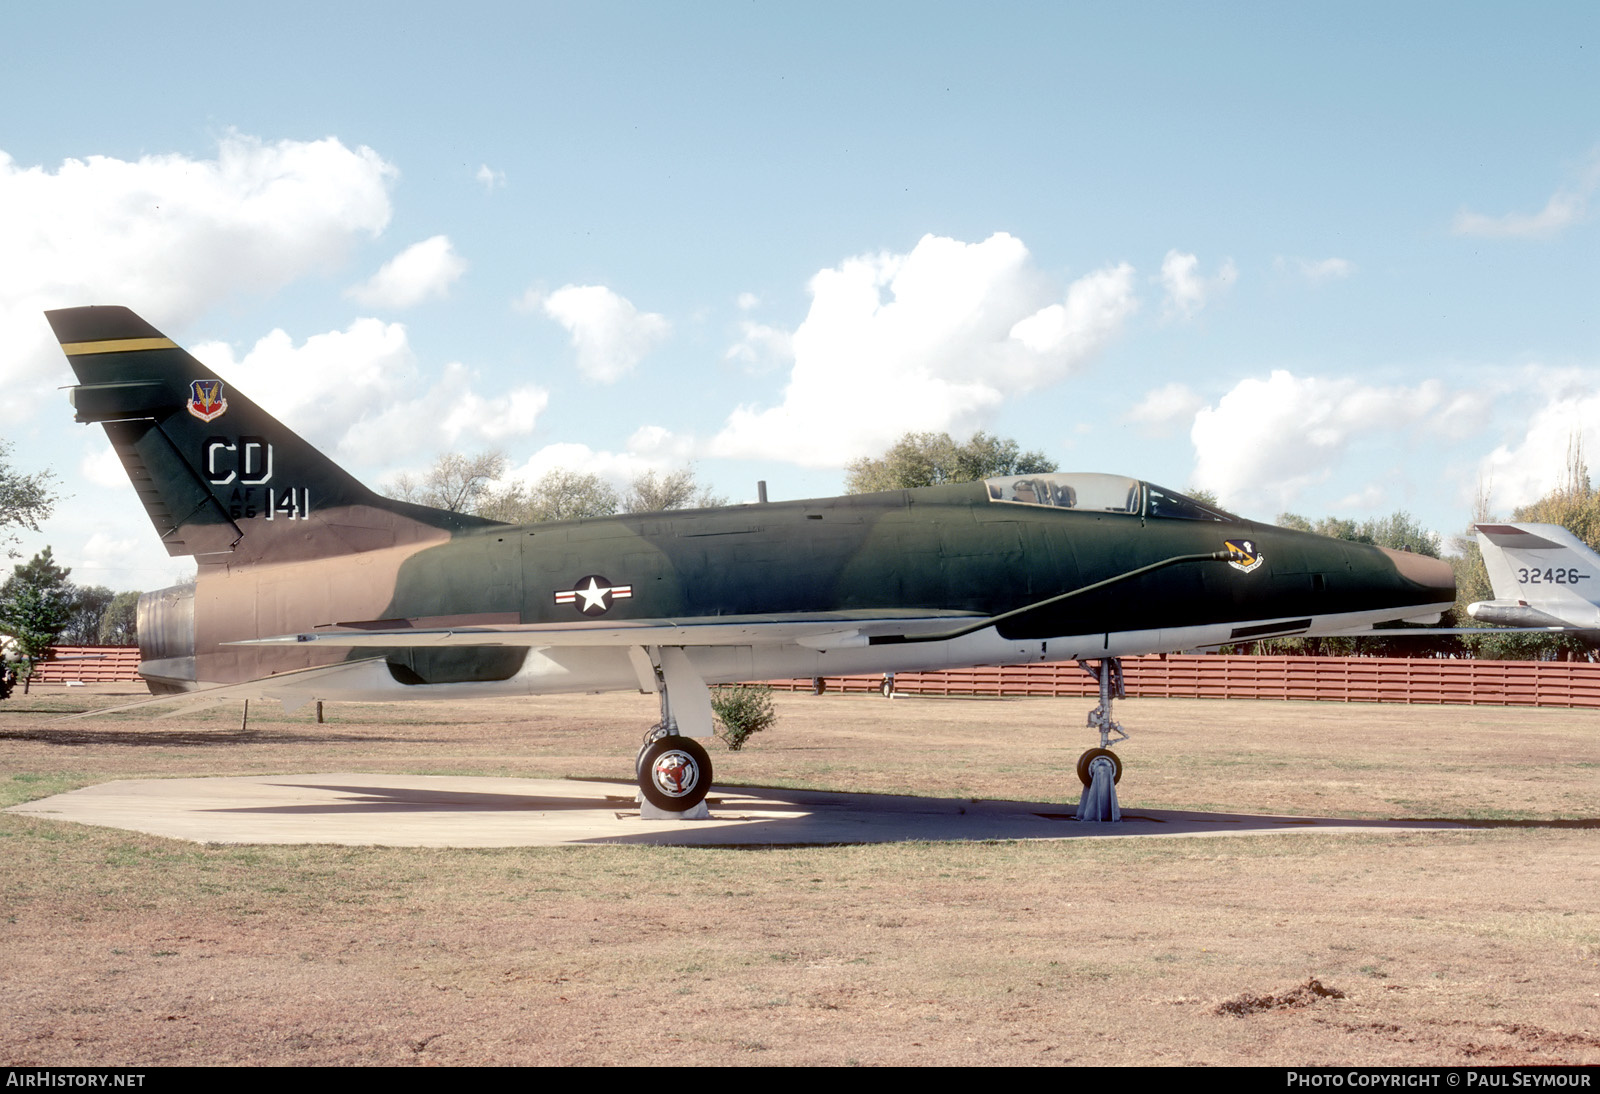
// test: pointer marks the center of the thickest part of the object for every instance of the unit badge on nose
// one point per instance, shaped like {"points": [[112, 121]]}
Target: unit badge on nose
{"points": [[205, 399], [593, 595], [1248, 557]]}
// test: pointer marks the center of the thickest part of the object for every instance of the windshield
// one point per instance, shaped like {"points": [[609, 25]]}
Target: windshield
{"points": [[1161, 502], [1095, 493]]}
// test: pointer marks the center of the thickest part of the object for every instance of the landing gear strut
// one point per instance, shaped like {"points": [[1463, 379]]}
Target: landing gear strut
{"points": [[1109, 673], [1100, 769], [672, 768]]}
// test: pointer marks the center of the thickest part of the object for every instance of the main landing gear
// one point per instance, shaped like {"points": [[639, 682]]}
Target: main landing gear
{"points": [[674, 772], [1100, 769], [672, 768]]}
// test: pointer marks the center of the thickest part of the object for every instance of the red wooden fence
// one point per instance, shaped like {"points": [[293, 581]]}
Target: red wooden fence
{"points": [[1335, 679], [1176, 676], [89, 665]]}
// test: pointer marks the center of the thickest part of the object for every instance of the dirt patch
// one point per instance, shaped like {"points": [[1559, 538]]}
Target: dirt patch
{"points": [[1312, 991]]}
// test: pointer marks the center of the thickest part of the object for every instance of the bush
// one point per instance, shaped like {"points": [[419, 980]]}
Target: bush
{"points": [[743, 710]]}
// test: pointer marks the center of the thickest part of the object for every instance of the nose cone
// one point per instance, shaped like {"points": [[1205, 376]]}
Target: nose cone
{"points": [[1430, 573]]}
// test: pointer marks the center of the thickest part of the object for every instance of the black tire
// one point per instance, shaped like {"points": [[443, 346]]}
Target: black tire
{"points": [[1090, 756], [674, 774], [651, 736], [887, 687]]}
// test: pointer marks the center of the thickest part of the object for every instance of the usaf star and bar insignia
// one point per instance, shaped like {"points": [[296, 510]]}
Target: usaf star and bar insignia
{"points": [[593, 595]]}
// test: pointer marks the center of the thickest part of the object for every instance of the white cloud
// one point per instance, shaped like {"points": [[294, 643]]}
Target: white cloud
{"points": [[657, 443], [1187, 291], [617, 468], [359, 394], [1268, 441], [929, 340], [447, 416], [421, 270], [1567, 206], [489, 178], [1165, 409], [1529, 468], [170, 236], [761, 346], [1368, 498], [609, 333], [1318, 270], [105, 550], [748, 301], [100, 464]]}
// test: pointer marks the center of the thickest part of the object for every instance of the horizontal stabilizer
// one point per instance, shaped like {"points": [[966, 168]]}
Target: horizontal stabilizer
{"points": [[285, 686]]}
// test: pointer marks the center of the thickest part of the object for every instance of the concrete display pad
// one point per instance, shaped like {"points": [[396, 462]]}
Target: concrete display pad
{"points": [[450, 811]]}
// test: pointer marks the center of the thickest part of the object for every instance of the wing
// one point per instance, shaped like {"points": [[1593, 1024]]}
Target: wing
{"points": [[813, 630]]}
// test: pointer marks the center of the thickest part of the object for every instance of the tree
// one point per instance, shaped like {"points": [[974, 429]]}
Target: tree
{"points": [[465, 484], [928, 459], [119, 625], [88, 605], [1398, 531], [25, 500], [743, 710], [652, 493], [35, 604], [561, 494], [456, 482]]}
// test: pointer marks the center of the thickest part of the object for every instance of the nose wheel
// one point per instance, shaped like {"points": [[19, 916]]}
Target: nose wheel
{"points": [[1089, 757]]}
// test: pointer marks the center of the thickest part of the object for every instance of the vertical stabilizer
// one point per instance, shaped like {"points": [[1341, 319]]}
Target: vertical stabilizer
{"points": [[220, 478], [1542, 574]]}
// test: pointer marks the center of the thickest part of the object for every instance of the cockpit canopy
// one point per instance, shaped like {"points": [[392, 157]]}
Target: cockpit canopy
{"points": [[1093, 493]]}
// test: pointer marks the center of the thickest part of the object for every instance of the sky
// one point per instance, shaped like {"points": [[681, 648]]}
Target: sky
{"points": [[1328, 259]]}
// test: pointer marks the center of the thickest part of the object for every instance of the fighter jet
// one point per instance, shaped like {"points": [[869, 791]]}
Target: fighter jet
{"points": [[311, 586], [1544, 577]]}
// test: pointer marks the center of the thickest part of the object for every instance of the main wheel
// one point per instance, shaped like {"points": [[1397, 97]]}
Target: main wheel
{"points": [[674, 774], [651, 736], [887, 687], [1084, 775]]}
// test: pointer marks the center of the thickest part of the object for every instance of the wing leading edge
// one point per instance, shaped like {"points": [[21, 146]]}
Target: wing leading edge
{"points": [[822, 630]]}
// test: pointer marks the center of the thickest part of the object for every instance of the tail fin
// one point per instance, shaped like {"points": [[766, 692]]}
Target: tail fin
{"points": [[1543, 575], [220, 478]]}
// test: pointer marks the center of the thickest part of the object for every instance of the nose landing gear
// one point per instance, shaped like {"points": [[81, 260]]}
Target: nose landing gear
{"points": [[1100, 769]]}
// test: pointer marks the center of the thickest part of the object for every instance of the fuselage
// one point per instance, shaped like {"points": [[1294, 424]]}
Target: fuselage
{"points": [[950, 549], [294, 555]]}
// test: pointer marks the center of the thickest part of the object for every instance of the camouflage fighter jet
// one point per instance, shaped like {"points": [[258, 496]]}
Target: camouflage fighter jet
{"points": [[310, 586]]}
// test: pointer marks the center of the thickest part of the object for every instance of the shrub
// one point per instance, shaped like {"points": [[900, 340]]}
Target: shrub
{"points": [[743, 710]]}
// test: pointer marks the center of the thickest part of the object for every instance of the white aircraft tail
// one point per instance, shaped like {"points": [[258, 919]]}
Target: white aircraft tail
{"points": [[1543, 576]]}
